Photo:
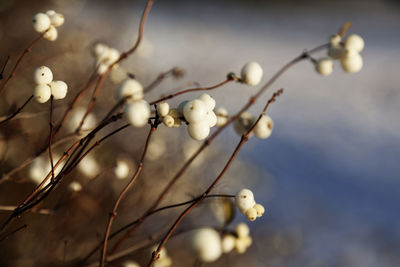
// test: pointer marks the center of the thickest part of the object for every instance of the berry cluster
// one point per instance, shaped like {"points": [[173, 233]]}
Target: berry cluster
{"points": [[47, 23], [46, 87], [348, 52], [247, 205], [105, 56], [239, 241]]}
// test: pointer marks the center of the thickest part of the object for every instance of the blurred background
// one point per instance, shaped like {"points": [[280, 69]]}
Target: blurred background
{"points": [[329, 174]]}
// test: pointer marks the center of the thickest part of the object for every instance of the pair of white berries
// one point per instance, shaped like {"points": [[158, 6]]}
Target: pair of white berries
{"points": [[246, 121], [47, 22], [105, 56], [170, 117], [247, 205], [45, 86], [240, 241], [348, 53], [137, 110]]}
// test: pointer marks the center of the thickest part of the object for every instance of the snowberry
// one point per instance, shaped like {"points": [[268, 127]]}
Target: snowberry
{"points": [[51, 34], [76, 118], [58, 89], [208, 101], [211, 118], [222, 116], [354, 42], [137, 113], [75, 186], [40, 22], [260, 209], [228, 243], [163, 109], [176, 115], [42, 93], [244, 200], [242, 230], [324, 66], [251, 214], [264, 127], [56, 19], [121, 170], [206, 243], [251, 73], [43, 75], [89, 166], [243, 124], [129, 88], [102, 68], [199, 131], [335, 40], [112, 56], [99, 50], [194, 111], [352, 62], [169, 121]]}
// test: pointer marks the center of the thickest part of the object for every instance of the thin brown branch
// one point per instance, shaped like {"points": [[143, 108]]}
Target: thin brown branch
{"points": [[17, 111], [51, 138], [163, 75], [113, 213], [14, 70], [4, 67], [243, 140], [7, 236]]}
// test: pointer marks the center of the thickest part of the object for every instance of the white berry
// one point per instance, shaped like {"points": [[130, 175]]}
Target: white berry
{"points": [[324, 66], [56, 19], [51, 34], [42, 93], [352, 62], [251, 73], [335, 39], [163, 109], [43, 75], [169, 121], [259, 209], [251, 214], [199, 131], [354, 42], [208, 101], [137, 113], [75, 186], [40, 22], [58, 89], [264, 127], [194, 111], [244, 200], [122, 169], [129, 88], [228, 243], [206, 243], [243, 124], [222, 116], [242, 230], [211, 118]]}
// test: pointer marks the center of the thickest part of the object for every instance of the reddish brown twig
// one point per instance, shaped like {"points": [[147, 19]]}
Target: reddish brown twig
{"points": [[14, 70], [4, 67], [243, 140], [51, 138], [176, 72], [17, 111], [113, 213]]}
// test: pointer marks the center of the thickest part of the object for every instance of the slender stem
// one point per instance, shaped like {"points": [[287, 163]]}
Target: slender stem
{"points": [[51, 138], [243, 140], [14, 70], [4, 67], [17, 111], [13, 232], [158, 80], [113, 213]]}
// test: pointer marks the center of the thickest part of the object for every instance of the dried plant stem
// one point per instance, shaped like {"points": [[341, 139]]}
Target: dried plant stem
{"points": [[122, 57], [7, 236], [158, 80], [51, 138], [14, 70], [113, 213], [243, 140], [4, 67], [17, 111]]}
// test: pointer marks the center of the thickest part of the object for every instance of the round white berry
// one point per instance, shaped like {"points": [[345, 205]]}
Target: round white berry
{"points": [[244, 200], [163, 109], [354, 42], [169, 121], [42, 93], [199, 131], [352, 62], [208, 101], [222, 116], [211, 118], [264, 127], [251, 214], [194, 111], [242, 230], [251, 73], [112, 55], [324, 66], [43, 75], [89, 166], [56, 19], [206, 243], [260, 209], [122, 169], [129, 88], [228, 243], [51, 34], [335, 39], [58, 89], [40, 22], [100, 50], [75, 186], [101, 68], [240, 246], [137, 113]]}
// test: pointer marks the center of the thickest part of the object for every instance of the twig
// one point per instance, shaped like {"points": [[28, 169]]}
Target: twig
{"points": [[243, 140], [13, 232], [17, 111], [159, 79], [14, 70], [4, 67], [51, 138], [40, 211]]}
